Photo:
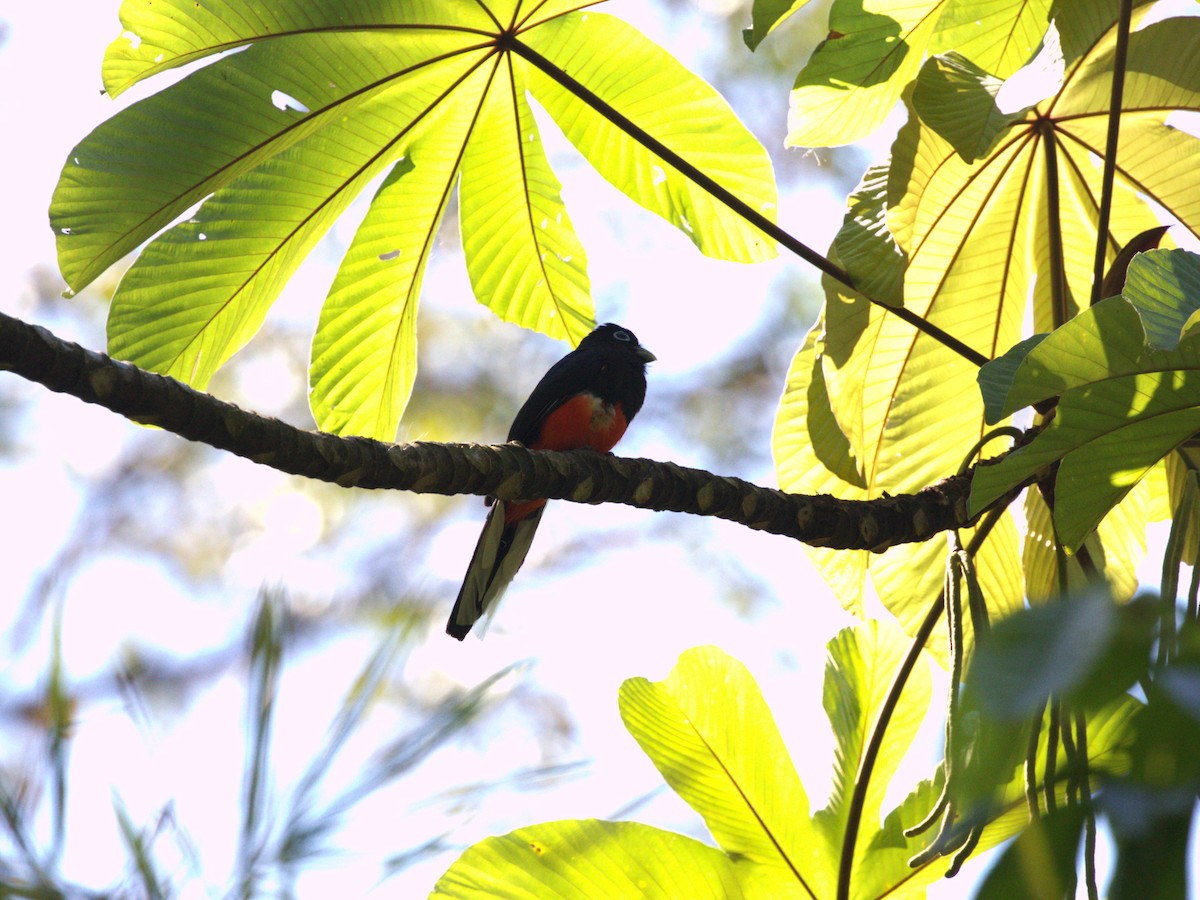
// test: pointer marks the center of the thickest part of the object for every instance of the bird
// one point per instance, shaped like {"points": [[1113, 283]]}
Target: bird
{"points": [[586, 399]]}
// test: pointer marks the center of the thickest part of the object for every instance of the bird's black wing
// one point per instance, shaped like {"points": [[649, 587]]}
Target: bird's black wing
{"points": [[566, 378]]}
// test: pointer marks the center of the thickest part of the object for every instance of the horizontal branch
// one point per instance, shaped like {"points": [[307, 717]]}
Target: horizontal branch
{"points": [[509, 471]]}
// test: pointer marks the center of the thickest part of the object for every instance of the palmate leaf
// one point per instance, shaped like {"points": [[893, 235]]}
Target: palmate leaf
{"points": [[1122, 405], [324, 98], [653, 89], [693, 723], [956, 219], [805, 427], [840, 428], [969, 242]]}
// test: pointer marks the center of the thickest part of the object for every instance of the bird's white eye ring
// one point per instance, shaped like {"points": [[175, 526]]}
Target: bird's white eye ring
{"points": [[622, 336]]}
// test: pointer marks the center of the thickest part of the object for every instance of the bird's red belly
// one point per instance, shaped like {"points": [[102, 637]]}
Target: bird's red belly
{"points": [[583, 421]]}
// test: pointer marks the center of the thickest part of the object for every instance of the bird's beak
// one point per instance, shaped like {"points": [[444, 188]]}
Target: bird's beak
{"points": [[645, 355]]}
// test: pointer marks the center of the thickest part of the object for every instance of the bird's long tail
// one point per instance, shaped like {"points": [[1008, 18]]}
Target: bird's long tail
{"points": [[502, 547]]}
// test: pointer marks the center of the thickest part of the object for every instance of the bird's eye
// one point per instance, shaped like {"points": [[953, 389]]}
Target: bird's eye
{"points": [[622, 336]]}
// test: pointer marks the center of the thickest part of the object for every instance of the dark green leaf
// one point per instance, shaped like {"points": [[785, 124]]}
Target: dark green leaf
{"points": [[996, 377], [1151, 827], [766, 16], [1085, 650], [1122, 407], [1040, 864], [1164, 287], [958, 100]]}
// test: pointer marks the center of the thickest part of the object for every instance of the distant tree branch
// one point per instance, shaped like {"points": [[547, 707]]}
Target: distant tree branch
{"points": [[508, 471]]}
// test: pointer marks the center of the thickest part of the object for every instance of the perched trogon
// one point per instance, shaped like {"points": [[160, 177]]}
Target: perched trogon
{"points": [[587, 399]]}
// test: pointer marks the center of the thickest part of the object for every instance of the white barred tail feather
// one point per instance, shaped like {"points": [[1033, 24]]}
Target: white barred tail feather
{"points": [[499, 553]]}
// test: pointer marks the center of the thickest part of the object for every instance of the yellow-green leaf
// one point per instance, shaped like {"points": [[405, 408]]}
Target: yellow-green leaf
{"points": [[523, 256], [855, 76], [999, 36], [364, 354], [590, 858], [646, 84], [696, 726]]}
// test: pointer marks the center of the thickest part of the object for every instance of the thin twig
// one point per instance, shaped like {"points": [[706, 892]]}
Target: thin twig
{"points": [[1124, 17], [1031, 758], [1058, 272], [866, 766], [1089, 848], [1051, 775], [723, 194]]}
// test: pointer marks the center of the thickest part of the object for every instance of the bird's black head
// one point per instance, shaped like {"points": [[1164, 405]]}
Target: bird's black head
{"points": [[613, 335]]}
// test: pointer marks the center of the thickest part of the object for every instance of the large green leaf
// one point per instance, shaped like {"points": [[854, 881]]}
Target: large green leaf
{"points": [[962, 103], [709, 732], [521, 249], [856, 75], [202, 289], [696, 726], [590, 858], [813, 455], [1122, 407], [955, 219], [998, 36], [875, 49], [323, 98], [892, 386], [163, 34], [364, 352]]}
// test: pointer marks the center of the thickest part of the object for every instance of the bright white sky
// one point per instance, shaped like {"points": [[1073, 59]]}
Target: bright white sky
{"points": [[51, 61]]}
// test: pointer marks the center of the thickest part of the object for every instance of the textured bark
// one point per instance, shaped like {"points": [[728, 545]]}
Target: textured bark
{"points": [[509, 471]]}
